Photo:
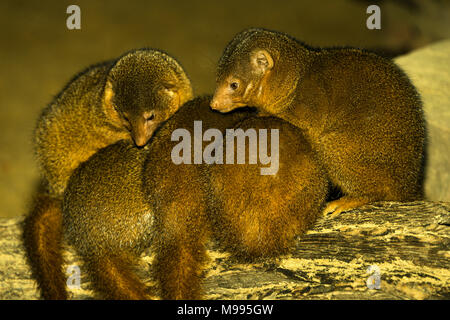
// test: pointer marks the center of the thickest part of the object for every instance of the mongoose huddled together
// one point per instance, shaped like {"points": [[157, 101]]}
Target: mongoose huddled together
{"points": [[126, 98], [345, 117], [124, 200], [359, 111]]}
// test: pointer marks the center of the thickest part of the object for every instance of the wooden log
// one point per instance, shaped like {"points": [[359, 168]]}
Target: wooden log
{"points": [[408, 243]]}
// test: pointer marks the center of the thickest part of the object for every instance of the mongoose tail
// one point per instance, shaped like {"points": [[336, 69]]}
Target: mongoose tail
{"points": [[43, 237]]}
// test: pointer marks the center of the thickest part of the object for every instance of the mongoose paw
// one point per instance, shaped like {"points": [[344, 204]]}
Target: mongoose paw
{"points": [[336, 207], [152, 297]]}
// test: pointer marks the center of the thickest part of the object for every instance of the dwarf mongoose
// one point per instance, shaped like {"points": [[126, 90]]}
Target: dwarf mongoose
{"points": [[122, 99], [126, 98], [359, 111], [123, 200]]}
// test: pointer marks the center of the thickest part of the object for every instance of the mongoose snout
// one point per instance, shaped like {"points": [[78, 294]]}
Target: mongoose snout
{"points": [[223, 100], [143, 127]]}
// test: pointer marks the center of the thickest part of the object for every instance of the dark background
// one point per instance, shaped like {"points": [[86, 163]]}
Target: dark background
{"points": [[39, 54]]}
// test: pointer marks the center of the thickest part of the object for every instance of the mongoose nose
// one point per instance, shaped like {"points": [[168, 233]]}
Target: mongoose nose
{"points": [[214, 104], [140, 142]]}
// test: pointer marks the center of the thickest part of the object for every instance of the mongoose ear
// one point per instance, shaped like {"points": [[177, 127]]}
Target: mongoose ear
{"points": [[108, 104], [261, 60], [170, 88], [108, 94]]}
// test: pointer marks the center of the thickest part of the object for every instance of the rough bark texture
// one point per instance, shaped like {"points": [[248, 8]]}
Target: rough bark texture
{"points": [[408, 242]]}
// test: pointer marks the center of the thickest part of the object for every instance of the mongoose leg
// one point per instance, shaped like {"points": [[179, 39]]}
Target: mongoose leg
{"points": [[367, 176], [178, 270], [181, 251], [346, 203], [114, 277], [42, 238]]}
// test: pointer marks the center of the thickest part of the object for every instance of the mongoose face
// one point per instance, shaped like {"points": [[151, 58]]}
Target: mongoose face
{"points": [[144, 88], [234, 88], [249, 71], [240, 85]]}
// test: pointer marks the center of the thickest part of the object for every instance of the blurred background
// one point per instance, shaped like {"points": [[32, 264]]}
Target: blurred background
{"points": [[39, 54]]}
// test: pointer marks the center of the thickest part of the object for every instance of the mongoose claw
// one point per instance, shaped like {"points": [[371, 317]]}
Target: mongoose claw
{"points": [[336, 207], [331, 210]]}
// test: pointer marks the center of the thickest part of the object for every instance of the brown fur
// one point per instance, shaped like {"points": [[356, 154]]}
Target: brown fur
{"points": [[42, 234], [105, 104], [123, 200], [359, 111], [107, 220], [258, 215], [180, 204], [127, 98], [126, 285], [106, 213]]}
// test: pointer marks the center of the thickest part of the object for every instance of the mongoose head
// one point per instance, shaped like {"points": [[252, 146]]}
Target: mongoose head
{"points": [[143, 89], [258, 68]]}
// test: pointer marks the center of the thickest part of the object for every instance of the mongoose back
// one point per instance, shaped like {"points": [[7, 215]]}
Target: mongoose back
{"points": [[359, 111], [109, 227], [258, 216], [126, 98]]}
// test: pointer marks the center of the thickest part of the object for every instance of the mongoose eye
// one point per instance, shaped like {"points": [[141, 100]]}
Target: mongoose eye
{"points": [[151, 117], [169, 89], [234, 85]]}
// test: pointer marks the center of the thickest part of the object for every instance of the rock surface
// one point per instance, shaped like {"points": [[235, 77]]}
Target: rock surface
{"points": [[407, 242], [428, 69]]}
